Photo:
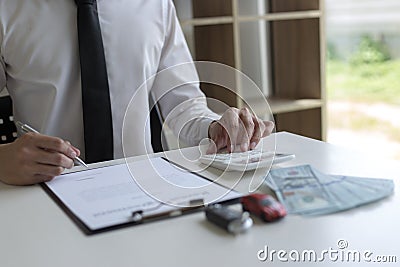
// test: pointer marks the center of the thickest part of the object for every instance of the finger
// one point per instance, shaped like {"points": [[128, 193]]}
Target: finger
{"points": [[212, 148], [224, 132], [34, 179], [48, 170], [54, 144], [217, 131], [246, 128], [228, 128], [257, 134], [229, 147], [231, 125], [242, 139], [77, 151], [40, 178], [269, 126], [218, 143], [222, 140], [53, 158]]}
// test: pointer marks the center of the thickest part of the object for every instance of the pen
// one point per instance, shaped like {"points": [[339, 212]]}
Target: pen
{"points": [[195, 204], [28, 129]]}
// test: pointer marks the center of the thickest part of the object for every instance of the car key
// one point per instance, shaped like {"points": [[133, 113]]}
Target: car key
{"points": [[233, 221]]}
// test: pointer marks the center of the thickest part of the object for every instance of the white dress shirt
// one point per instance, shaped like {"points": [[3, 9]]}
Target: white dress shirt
{"points": [[40, 67]]}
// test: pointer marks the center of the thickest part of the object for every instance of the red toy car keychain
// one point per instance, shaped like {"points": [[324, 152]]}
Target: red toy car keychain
{"points": [[264, 206]]}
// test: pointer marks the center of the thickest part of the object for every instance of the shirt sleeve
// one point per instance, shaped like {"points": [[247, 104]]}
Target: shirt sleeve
{"points": [[183, 105]]}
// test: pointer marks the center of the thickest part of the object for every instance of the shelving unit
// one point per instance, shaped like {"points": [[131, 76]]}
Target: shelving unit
{"points": [[278, 43]]}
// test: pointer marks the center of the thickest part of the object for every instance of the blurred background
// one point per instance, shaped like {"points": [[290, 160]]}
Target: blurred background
{"points": [[363, 74], [330, 69]]}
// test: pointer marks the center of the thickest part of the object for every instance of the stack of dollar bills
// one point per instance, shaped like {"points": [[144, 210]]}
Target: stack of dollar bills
{"points": [[305, 190]]}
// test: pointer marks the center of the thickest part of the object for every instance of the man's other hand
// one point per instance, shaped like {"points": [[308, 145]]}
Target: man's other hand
{"points": [[237, 128]]}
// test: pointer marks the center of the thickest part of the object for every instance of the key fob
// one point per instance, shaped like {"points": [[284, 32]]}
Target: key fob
{"points": [[233, 221]]}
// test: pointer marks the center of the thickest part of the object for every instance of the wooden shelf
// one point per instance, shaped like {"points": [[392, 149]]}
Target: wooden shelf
{"points": [[291, 69], [305, 122], [267, 17], [279, 105], [290, 105], [294, 5], [282, 16], [207, 21]]}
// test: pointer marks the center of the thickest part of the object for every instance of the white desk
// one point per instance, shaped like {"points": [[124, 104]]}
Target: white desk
{"points": [[34, 231]]}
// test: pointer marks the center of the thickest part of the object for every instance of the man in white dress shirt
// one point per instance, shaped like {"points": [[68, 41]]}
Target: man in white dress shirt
{"points": [[39, 65]]}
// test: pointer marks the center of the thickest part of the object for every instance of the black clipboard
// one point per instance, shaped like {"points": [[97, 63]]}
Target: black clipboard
{"points": [[153, 218]]}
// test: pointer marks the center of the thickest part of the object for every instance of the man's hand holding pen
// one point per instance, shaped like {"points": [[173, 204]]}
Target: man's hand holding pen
{"points": [[35, 158]]}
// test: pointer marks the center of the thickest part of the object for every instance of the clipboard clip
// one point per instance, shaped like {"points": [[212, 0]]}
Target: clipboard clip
{"points": [[139, 217]]}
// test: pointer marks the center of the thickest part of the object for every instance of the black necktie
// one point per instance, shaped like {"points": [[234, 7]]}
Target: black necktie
{"points": [[97, 119]]}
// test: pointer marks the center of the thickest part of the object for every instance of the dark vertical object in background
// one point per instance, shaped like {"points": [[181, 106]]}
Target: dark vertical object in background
{"points": [[156, 131], [7, 127]]}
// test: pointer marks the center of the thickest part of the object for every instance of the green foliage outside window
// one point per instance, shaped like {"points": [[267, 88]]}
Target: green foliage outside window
{"points": [[369, 51]]}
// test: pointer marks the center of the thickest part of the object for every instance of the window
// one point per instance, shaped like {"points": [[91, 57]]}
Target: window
{"points": [[363, 74]]}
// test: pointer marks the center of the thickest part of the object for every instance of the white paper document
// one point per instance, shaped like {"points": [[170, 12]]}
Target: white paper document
{"points": [[107, 196]]}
